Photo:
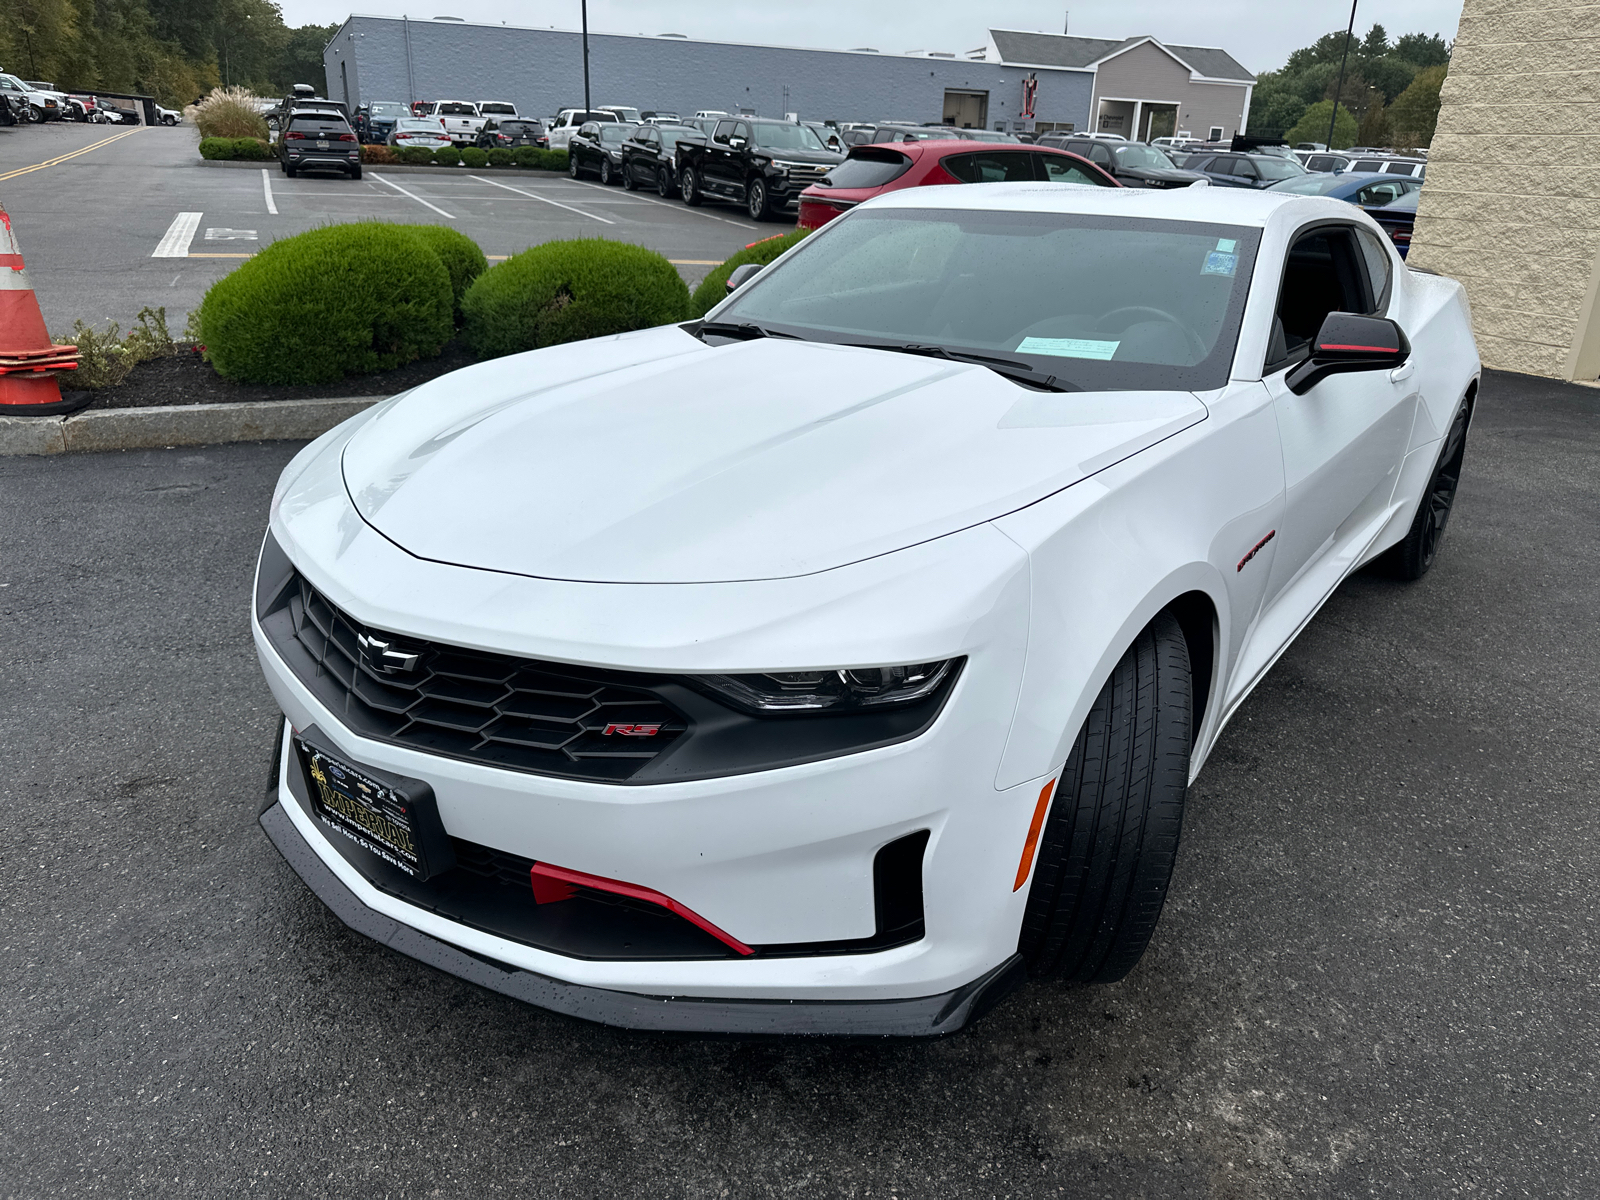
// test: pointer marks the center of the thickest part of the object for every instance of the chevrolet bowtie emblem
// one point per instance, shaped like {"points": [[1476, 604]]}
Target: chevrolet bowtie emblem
{"points": [[382, 657]]}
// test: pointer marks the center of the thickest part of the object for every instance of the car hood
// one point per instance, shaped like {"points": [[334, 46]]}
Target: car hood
{"points": [[823, 158], [1161, 174], [654, 458]]}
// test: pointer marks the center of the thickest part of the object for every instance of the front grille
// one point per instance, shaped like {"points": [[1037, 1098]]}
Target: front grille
{"points": [[805, 174], [545, 718]]}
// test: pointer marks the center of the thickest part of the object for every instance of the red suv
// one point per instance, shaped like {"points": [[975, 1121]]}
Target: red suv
{"points": [[870, 170]]}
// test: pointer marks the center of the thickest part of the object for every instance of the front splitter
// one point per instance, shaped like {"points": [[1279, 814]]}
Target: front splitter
{"points": [[920, 1016]]}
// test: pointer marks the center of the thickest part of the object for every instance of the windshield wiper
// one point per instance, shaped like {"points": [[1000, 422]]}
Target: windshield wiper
{"points": [[743, 330], [1018, 371]]}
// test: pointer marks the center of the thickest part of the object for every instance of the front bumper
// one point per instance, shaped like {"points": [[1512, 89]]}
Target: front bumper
{"points": [[923, 1016]]}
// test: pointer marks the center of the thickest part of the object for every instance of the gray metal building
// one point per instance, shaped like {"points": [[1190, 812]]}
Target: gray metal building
{"points": [[541, 71]]}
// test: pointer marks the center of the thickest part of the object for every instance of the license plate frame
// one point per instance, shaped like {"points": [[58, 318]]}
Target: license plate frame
{"points": [[393, 817], [321, 145]]}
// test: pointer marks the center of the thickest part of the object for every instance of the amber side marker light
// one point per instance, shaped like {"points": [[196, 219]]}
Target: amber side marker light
{"points": [[1032, 844]]}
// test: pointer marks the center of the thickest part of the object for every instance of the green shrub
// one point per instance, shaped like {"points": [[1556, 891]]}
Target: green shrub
{"points": [[714, 287], [540, 160], [475, 158], [417, 156], [460, 254], [104, 361], [501, 157], [567, 291], [447, 156], [340, 300], [251, 150], [228, 113], [216, 147]]}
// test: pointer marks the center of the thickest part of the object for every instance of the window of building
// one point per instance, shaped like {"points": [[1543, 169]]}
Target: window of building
{"points": [[1214, 134]]}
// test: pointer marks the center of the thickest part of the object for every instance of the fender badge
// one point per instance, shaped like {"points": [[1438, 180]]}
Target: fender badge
{"points": [[1255, 550]]}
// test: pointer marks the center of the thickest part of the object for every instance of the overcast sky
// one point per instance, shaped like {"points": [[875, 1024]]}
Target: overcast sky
{"points": [[1259, 33]]}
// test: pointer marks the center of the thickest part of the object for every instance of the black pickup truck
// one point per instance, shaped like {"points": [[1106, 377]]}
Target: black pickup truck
{"points": [[763, 165]]}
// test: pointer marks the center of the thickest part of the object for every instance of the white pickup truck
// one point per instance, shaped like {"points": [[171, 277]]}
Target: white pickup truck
{"points": [[567, 121], [461, 120]]}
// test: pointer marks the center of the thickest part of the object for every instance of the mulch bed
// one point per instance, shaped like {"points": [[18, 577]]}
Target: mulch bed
{"points": [[186, 378]]}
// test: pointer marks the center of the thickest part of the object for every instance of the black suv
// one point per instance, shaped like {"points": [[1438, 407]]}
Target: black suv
{"points": [[1133, 163], [597, 147], [1244, 170], [509, 132], [650, 156], [318, 140], [763, 165]]}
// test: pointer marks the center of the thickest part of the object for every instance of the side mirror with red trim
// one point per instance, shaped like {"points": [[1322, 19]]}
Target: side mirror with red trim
{"points": [[1347, 342]]}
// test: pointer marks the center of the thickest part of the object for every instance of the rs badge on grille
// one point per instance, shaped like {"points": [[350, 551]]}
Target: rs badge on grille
{"points": [[632, 730]]}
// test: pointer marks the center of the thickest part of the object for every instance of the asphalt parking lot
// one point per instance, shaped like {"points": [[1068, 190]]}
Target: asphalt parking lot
{"points": [[91, 225], [1376, 975]]}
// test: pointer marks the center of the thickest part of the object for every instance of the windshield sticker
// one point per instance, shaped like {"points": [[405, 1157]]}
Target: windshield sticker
{"points": [[1070, 347], [1227, 245], [1218, 263]]}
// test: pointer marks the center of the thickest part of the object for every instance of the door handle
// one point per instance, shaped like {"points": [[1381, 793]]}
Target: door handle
{"points": [[1403, 372]]}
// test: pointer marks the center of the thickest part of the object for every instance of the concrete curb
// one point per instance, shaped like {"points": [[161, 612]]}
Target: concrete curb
{"points": [[402, 168], [177, 425]]}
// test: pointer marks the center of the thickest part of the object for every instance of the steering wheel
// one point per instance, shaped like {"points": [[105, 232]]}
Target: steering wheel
{"points": [[1145, 311]]}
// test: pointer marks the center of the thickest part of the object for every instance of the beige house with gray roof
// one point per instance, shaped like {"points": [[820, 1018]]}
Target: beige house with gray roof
{"points": [[1143, 88]]}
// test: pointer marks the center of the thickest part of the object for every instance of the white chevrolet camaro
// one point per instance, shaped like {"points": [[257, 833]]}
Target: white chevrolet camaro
{"points": [[836, 663]]}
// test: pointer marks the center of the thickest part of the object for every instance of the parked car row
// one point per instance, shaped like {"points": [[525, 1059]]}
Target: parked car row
{"points": [[35, 101]]}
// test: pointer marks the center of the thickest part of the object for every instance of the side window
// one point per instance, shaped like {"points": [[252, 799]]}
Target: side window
{"points": [[723, 133], [1399, 169], [1220, 166], [1380, 267], [741, 130], [1380, 193], [1064, 170], [1100, 154], [1245, 169], [1324, 273], [991, 167]]}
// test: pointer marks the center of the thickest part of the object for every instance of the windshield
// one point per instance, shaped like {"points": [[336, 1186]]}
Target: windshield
{"points": [[670, 137], [422, 126], [519, 128], [457, 110], [868, 169], [1272, 167], [1144, 158], [386, 111], [1310, 185], [1111, 303], [786, 137], [614, 133]]}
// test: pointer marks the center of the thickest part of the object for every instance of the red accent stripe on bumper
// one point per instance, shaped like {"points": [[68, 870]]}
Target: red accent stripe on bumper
{"points": [[546, 874]]}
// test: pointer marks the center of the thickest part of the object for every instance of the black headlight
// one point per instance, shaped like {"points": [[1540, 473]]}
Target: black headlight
{"points": [[833, 690]]}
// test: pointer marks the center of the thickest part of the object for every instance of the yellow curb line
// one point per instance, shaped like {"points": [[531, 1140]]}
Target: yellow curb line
{"points": [[116, 137]]}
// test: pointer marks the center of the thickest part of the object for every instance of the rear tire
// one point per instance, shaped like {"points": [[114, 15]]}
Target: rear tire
{"points": [[1414, 555], [289, 171], [629, 183], [355, 172], [1107, 850], [689, 185]]}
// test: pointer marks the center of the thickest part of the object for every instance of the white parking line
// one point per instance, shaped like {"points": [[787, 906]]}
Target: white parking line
{"points": [[414, 196], [266, 186], [557, 203], [175, 242], [680, 207]]}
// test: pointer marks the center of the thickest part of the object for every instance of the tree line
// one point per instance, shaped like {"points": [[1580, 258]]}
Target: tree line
{"points": [[1390, 94], [174, 50]]}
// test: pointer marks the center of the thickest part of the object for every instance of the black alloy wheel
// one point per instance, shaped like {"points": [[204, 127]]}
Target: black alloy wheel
{"points": [[1415, 554], [629, 183], [756, 202], [572, 162], [605, 172], [664, 186], [1107, 849], [689, 185]]}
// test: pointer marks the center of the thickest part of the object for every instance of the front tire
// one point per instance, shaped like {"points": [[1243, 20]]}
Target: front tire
{"points": [[757, 202], [1414, 555], [664, 185], [572, 164], [1106, 853], [605, 172], [169, 121], [689, 185], [629, 183], [36, 114]]}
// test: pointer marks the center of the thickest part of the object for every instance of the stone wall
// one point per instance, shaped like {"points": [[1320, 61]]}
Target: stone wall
{"points": [[1512, 202]]}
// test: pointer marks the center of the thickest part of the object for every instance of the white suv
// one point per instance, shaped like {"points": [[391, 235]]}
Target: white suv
{"points": [[567, 122], [41, 106]]}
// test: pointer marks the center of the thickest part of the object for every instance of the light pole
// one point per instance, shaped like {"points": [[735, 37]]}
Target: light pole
{"points": [[586, 53], [1339, 90]]}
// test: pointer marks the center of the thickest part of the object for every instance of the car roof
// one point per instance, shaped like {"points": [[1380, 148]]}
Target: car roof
{"points": [[1221, 206]]}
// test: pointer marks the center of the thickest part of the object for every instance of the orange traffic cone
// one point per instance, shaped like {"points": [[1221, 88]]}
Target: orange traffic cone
{"points": [[28, 360]]}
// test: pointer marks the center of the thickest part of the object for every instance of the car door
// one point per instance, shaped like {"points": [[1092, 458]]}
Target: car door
{"points": [[718, 158], [1344, 439], [1221, 171]]}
